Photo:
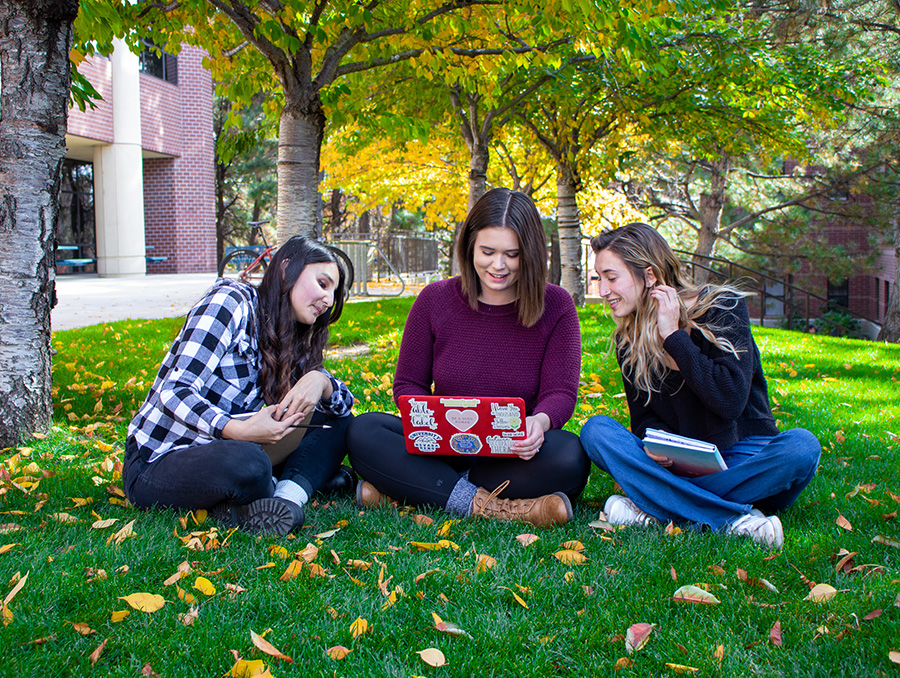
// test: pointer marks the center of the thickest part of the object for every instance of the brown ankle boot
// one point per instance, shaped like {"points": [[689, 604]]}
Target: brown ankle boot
{"points": [[551, 509], [368, 496]]}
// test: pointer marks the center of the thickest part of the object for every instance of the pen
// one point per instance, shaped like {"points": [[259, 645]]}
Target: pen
{"points": [[309, 426]]}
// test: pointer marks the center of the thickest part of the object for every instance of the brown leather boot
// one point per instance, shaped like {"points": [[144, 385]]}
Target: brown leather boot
{"points": [[368, 496], [551, 509]]}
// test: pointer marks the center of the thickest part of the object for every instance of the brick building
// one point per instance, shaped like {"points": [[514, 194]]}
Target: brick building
{"points": [[138, 189]]}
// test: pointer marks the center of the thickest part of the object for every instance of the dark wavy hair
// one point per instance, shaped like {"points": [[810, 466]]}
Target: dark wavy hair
{"points": [[515, 210], [289, 349]]}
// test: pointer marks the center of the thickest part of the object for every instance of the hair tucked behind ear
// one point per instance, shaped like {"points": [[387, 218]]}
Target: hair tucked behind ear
{"points": [[501, 207], [641, 247], [289, 349]]}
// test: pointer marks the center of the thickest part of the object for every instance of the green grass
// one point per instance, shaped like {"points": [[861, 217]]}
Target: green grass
{"points": [[845, 391]]}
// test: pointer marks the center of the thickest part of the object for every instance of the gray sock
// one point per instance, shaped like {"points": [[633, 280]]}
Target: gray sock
{"points": [[460, 501], [288, 489]]}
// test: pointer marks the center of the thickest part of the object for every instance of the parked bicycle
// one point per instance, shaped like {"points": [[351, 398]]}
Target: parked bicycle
{"points": [[248, 263]]}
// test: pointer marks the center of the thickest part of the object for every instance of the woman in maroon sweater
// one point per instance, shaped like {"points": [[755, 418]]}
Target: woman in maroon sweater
{"points": [[499, 329]]}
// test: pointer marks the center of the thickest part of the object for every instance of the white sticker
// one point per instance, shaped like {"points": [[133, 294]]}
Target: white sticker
{"points": [[506, 417], [425, 441], [420, 415], [499, 444]]}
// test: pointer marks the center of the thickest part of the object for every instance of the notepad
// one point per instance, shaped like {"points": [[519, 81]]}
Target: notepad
{"points": [[462, 426]]}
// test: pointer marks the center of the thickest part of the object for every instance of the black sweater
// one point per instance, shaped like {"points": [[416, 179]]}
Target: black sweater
{"points": [[715, 396]]}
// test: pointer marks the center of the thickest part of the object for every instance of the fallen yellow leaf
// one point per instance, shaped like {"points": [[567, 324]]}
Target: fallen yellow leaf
{"points": [[681, 668], [15, 589], [119, 615], [245, 668], [569, 557], [205, 586], [144, 602], [103, 524], [359, 627]]}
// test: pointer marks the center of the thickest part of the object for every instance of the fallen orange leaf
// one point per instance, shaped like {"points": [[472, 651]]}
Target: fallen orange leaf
{"points": [[82, 628], [775, 634], [636, 636], [485, 563], [844, 523], [293, 570], [95, 655], [338, 652], [527, 538], [264, 645]]}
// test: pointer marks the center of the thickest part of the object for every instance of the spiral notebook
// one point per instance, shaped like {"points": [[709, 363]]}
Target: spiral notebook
{"points": [[462, 426]]}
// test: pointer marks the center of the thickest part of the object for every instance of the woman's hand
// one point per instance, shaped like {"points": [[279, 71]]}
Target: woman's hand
{"points": [[534, 436], [262, 427], [668, 309], [303, 398], [665, 462]]}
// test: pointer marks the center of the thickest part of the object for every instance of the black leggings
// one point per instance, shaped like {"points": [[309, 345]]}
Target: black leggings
{"points": [[378, 453]]}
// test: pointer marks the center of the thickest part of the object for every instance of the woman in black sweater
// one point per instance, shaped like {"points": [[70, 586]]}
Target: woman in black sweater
{"points": [[690, 366]]}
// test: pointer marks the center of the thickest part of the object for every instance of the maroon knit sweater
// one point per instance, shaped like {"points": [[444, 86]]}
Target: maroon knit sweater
{"points": [[487, 352]]}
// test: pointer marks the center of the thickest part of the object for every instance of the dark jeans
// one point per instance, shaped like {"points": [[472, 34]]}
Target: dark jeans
{"points": [[378, 454], [201, 476]]}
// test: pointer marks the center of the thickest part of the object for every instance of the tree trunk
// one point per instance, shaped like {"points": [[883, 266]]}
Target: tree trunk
{"points": [[478, 164], [890, 331], [711, 205], [555, 264], [569, 225], [221, 172], [300, 135], [35, 39]]}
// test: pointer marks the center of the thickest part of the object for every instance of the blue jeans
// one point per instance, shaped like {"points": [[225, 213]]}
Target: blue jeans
{"points": [[201, 476], [768, 473]]}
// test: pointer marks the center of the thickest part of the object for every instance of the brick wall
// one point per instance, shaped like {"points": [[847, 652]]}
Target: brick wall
{"points": [[96, 123], [179, 192]]}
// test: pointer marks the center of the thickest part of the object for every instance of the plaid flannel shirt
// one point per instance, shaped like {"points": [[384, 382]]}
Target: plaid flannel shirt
{"points": [[210, 374]]}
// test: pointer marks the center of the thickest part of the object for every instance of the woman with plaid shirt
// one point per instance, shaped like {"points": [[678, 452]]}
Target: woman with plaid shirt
{"points": [[245, 370]]}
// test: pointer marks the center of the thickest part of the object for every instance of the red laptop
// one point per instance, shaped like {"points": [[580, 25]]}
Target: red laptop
{"points": [[462, 426]]}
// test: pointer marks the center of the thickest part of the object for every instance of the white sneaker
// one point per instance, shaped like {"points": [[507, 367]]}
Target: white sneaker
{"points": [[621, 510], [761, 529]]}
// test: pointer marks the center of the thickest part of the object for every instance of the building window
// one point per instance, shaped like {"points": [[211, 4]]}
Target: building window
{"points": [[839, 293], [159, 64], [75, 236]]}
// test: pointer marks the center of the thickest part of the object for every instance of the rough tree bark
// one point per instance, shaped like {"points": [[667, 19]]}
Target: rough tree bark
{"points": [[35, 39], [890, 331], [712, 203], [569, 226]]}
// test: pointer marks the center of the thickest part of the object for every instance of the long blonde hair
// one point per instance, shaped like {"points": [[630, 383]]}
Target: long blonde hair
{"points": [[641, 247]]}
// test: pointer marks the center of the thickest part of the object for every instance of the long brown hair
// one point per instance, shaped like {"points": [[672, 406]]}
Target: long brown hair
{"points": [[508, 209], [289, 349], [641, 247]]}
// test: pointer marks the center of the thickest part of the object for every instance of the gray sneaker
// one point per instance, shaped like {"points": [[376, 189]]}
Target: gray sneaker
{"points": [[766, 531], [621, 510]]}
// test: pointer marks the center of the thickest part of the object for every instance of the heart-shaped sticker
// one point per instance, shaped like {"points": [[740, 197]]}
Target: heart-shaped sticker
{"points": [[462, 419]]}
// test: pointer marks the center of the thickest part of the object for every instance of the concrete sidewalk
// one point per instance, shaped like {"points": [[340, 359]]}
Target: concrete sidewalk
{"points": [[89, 299]]}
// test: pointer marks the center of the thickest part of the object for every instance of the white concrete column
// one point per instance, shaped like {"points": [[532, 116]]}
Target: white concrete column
{"points": [[119, 176]]}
